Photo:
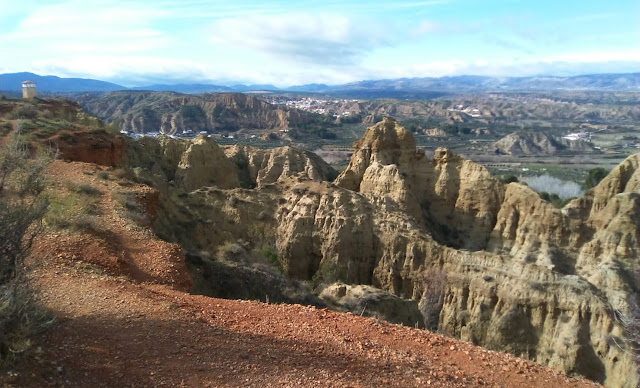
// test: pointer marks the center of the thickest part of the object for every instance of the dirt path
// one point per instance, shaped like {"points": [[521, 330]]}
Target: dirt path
{"points": [[113, 330], [112, 333]]}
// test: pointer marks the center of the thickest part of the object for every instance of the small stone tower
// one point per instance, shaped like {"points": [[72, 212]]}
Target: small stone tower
{"points": [[28, 89]]}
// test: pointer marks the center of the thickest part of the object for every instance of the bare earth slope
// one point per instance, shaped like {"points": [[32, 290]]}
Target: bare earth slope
{"points": [[122, 320]]}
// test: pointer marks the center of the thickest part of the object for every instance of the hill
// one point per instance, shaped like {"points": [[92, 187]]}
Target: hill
{"points": [[124, 243], [522, 143], [173, 113], [53, 84]]}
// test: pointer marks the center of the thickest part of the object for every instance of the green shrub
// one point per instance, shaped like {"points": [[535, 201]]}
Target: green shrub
{"points": [[22, 207], [23, 112], [327, 273], [509, 179], [87, 189], [272, 257], [554, 199], [124, 174], [132, 209], [67, 208], [85, 222], [595, 176], [5, 128]]}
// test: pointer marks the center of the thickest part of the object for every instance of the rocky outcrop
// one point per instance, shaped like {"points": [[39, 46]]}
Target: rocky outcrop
{"points": [[101, 148], [522, 285], [523, 143], [204, 164], [258, 167], [198, 163], [187, 164], [622, 179], [371, 301], [442, 194]]}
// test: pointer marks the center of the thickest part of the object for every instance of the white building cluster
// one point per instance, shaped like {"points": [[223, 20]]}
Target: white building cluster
{"points": [[585, 136], [473, 112], [314, 105]]}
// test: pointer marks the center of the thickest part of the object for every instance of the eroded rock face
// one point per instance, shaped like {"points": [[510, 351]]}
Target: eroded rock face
{"points": [[170, 113], [537, 281], [371, 301], [521, 275], [200, 162], [456, 199], [257, 167], [102, 148], [204, 164]]}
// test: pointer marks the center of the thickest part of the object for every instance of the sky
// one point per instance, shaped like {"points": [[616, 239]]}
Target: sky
{"points": [[136, 43]]}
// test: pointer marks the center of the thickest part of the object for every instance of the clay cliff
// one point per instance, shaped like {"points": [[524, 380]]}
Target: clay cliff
{"points": [[524, 143], [199, 163], [174, 113], [521, 276], [258, 167]]}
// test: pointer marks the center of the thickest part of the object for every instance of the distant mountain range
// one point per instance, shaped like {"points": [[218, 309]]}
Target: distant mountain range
{"points": [[53, 84], [399, 88], [608, 82]]}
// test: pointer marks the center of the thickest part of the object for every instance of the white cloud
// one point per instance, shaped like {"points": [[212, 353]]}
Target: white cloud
{"points": [[127, 67], [76, 27], [137, 43], [426, 27], [596, 56], [567, 64], [145, 70], [9, 8], [417, 4], [329, 39]]}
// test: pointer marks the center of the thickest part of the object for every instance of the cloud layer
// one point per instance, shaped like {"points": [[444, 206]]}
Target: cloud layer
{"points": [[319, 39], [330, 42]]}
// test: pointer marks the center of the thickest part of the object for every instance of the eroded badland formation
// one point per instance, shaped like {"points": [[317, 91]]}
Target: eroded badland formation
{"points": [[521, 276]]}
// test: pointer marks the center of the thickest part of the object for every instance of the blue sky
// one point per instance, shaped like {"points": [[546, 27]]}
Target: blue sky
{"points": [[296, 42]]}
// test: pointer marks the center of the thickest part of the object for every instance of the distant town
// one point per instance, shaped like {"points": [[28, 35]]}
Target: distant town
{"points": [[334, 107]]}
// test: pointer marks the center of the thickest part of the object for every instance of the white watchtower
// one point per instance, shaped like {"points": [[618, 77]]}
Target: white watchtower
{"points": [[28, 89]]}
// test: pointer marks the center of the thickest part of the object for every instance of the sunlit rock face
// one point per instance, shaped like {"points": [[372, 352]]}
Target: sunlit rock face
{"points": [[521, 276]]}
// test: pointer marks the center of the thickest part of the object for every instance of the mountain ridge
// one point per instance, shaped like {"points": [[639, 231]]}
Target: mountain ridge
{"points": [[52, 83], [468, 83]]}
